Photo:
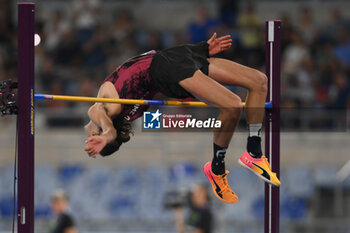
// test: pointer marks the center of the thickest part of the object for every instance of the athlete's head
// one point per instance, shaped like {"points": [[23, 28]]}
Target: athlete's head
{"points": [[124, 131]]}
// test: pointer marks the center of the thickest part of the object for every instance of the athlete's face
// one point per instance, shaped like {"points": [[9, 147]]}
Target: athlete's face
{"points": [[92, 130]]}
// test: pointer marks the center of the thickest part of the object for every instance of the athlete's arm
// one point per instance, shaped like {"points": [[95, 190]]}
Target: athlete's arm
{"points": [[100, 115], [213, 46], [91, 129]]}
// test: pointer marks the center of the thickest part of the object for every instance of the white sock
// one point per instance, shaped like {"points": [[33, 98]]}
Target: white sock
{"points": [[254, 130]]}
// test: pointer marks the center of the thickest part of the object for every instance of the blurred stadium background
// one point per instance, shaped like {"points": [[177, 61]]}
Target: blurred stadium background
{"points": [[83, 41]]}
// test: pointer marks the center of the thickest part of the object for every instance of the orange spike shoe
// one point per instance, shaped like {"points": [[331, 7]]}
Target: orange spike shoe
{"points": [[260, 167], [220, 186]]}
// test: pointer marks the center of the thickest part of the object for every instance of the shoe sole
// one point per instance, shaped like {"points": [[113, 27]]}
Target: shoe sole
{"points": [[213, 187], [257, 174]]}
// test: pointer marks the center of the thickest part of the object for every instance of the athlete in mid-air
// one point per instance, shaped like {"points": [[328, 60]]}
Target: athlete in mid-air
{"points": [[180, 72]]}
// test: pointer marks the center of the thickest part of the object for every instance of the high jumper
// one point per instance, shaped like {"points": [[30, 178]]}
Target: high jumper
{"points": [[181, 72]]}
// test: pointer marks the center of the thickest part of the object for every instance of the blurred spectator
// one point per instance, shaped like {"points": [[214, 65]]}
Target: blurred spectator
{"points": [[47, 74], [6, 26], [153, 41], [228, 12], [338, 20], [86, 16], [121, 39], [7, 43], [60, 207], [85, 13], [340, 90], [303, 91], [87, 87], [336, 23], [250, 36], [200, 219], [294, 54], [123, 26], [306, 26], [94, 51], [68, 49], [55, 29], [249, 25], [342, 50], [203, 26], [287, 31]]}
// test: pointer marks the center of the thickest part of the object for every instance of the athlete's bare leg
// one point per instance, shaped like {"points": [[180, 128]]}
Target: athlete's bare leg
{"points": [[211, 92], [230, 105], [231, 73]]}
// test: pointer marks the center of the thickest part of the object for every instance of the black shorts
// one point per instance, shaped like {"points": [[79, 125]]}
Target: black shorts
{"points": [[170, 66]]}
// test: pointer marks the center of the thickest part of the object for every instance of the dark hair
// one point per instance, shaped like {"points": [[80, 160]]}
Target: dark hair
{"points": [[124, 130]]}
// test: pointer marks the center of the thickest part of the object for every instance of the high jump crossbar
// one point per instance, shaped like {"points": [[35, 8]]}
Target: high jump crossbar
{"points": [[25, 120], [127, 101]]}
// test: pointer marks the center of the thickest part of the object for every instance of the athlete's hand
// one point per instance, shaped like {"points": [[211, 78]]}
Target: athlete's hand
{"points": [[94, 145], [217, 45]]}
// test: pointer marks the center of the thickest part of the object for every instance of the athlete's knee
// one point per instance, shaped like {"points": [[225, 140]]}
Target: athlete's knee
{"points": [[260, 82], [232, 107]]}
